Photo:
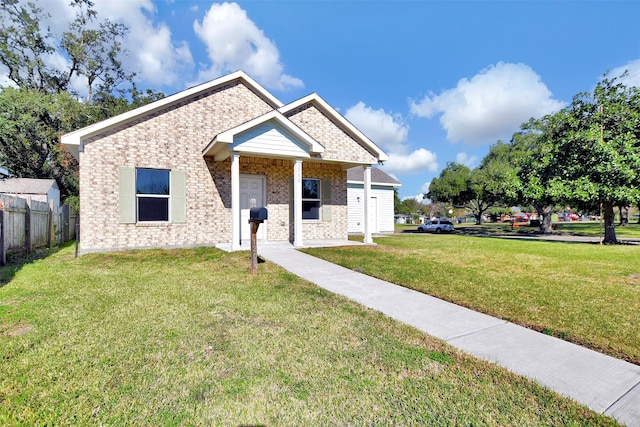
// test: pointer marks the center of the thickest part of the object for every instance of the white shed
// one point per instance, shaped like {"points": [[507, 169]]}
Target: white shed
{"points": [[381, 212], [42, 190]]}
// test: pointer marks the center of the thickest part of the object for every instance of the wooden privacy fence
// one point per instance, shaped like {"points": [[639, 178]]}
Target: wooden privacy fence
{"points": [[26, 225]]}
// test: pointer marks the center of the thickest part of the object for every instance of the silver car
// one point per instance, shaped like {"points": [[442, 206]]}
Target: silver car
{"points": [[436, 226]]}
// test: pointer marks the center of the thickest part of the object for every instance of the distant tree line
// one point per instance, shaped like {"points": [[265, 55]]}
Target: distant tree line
{"points": [[44, 101], [586, 155]]}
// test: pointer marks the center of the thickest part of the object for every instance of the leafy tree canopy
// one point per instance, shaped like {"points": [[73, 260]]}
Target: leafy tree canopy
{"points": [[45, 101], [598, 151]]}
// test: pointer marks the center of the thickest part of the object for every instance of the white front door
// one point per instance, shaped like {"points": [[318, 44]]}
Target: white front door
{"points": [[251, 195]]}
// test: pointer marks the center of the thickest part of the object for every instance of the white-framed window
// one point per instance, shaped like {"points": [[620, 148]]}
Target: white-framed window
{"points": [[311, 198], [148, 195], [152, 194]]}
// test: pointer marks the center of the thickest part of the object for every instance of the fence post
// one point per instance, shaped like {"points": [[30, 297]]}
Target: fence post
{"points": [[77, 234], [27, 226], [65, 223], [3, 247], [51, 237]]}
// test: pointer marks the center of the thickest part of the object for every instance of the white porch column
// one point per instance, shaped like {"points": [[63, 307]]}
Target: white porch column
{"points": [[297, 203], [367, 204], [235, 201]]}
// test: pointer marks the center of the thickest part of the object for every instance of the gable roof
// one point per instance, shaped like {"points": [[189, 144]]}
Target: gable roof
{"points": [[27, 185], [73, 140], [339, 120], [218, 147], [379, 177]]}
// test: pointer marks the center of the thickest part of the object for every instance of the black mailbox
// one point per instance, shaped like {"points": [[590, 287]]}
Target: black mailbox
{"points": [[259, 214]]}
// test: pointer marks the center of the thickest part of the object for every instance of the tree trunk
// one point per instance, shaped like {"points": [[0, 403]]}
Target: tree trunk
{"points": [[478, 214], [545, 219], [624, 215], [609, 224]]}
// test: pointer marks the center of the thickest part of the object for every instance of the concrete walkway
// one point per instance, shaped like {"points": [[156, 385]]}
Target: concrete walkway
{"points": [[604, 384]]}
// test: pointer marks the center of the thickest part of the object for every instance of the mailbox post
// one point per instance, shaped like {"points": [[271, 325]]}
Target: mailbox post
{"points": [[256, 217]]}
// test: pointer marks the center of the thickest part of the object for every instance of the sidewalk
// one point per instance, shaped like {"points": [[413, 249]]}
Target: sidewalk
{"points": [[604, 384]]}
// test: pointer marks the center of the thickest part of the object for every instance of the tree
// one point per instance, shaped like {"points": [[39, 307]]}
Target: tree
{"points": [[94, 52], [482, 188], [23, 47], [541, 164], [91, 49], [600, 151], [44, 104], [396, 201], [29, 129], [410, 207], [452, 186]]}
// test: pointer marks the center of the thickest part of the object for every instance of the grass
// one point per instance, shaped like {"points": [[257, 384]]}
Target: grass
{"points": [[188, 337], [594, 229], [578, 228], [584, 293]]}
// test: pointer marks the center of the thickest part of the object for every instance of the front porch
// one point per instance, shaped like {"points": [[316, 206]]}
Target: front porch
{"points": [[305, 194]]}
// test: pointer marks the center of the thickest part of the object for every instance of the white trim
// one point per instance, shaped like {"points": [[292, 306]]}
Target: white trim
{"points": [[73, 140], [367, 200], [297, 203], [219, 146], [316, 100], [377, 184], [235, 202]]}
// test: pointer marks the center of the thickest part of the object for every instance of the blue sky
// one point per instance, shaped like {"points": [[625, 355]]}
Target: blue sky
{"points": [[431, 82]]}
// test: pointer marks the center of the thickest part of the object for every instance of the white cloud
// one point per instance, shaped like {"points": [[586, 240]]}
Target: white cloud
{"points": [[234, 42], [425, 187], [633, 75], [491, 105], [464, 159], [153, 53], [390, 133], [420, 160]]}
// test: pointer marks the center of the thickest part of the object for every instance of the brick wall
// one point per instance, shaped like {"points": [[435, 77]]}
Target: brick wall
{"points": [[173, 139], [338, 145]]}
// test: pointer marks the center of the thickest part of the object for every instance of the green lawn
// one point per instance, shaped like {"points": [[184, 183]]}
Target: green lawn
{"points": [[579, 228], [590, 228], [584, 293], [188, 337]]}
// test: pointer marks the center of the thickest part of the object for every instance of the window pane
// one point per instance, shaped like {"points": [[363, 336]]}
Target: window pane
{"points": [[153, 209], [152, 181], [310, 210], [310, 189]]}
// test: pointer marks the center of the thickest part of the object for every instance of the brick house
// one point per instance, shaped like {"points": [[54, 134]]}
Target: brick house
{"points": [[184, 171]]}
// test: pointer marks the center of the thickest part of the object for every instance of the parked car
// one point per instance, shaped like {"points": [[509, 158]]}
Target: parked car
{"points": [[436, 226]]}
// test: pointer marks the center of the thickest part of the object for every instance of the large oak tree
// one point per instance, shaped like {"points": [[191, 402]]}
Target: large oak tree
{"points": [[598, 151]]}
